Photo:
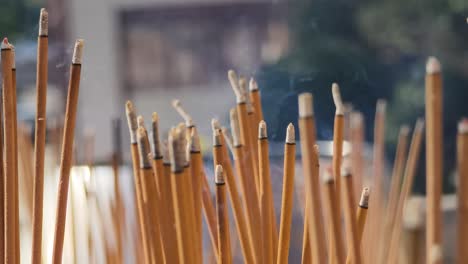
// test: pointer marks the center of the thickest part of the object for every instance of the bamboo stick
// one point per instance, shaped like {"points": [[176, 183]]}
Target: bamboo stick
{"points": [[310, 166], [462, 190], [287, 200], [40, 136], [354, 252], [67, 147], [224, 250], [434, 155]]}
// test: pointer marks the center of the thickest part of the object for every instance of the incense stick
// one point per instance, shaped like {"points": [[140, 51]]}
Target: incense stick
{"points": [[248, 188], [267, 210], [224, 250], [462, 190], [338, 134], [410, 171], [67, 147], [434, 155], [6, 58], [311, 178], [331, 213], [142, 227], [40, 136], [357, 155], [220, 157], [352, 235], [287, 199]]}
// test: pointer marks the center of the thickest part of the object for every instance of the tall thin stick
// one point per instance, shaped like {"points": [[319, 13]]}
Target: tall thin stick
{"points": [[360, 220], [352, 234], [410, 171], [40, 136], [67, 151], [462, 192], [8, 112], [224, 250], [287, 199], [434, 155], [311, 178], [338, 135], [331, 213]]}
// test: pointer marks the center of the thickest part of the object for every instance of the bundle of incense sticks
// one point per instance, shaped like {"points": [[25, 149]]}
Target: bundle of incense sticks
{"points": [[173, 194]]}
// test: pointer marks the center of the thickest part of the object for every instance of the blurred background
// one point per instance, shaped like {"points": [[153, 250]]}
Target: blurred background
{"points": [[153, 51]]}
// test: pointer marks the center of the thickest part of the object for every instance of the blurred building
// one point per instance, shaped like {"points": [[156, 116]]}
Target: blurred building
{"points": [[153, 51]]}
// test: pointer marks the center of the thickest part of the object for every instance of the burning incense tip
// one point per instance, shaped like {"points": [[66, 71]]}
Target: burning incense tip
{"points": [[178, 107], [463, 126], [176, 147], [436, 254], [195, 141], [364, 201], [337, 99], [306, 108], [404, 130], [216, 137], [328, 176], [419, 125], [5, 45], [253, 85], [219, 174], [235, 128], [317, 150], [140, 121], [44, 23], [243, 85], [78, 51], [262, 130], [132, 121], [215, 124], [356, 120], [157, 153], [381, 106], [142, 148], [290, 134], [165, 151], [433, 65], [234, 81], [345, 171]]}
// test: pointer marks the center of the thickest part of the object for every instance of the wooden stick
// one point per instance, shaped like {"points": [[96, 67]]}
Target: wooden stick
{"points": [[245, 130], [338, 134], [210, 215], [462, 190], [40, 136], [395, 185], [332, 216], [151, 203], [8, 112], [248, 188], [360, 220], [3, 192], [178, 161], [377, 204], [196, 161], [255, 98], [306, 247], [310, 166], [224, 251], [357, 154], [220, 157], [266, 194], [15, 155], [434, 154], [118, 207], [172, 254], [413, 224], [287, 200], [251, 117], [142, 222], [410, 171], [350, 218], [67, 148]]}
